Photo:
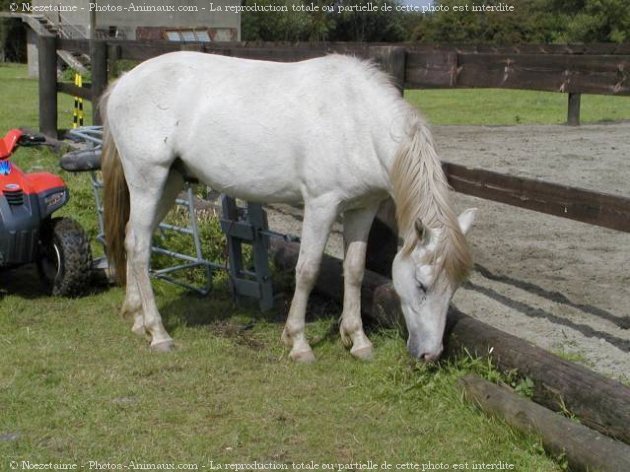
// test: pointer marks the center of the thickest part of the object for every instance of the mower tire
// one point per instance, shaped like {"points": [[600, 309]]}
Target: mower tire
{"points": [[65, 261]]}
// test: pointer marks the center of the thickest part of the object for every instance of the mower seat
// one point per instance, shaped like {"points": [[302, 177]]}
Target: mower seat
{"points": [[82, 160]]}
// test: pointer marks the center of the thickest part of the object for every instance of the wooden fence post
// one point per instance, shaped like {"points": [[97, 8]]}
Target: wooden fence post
{"points": [[573, 113], [98, 58], [47, 56], [393, 60], [114, 53]]}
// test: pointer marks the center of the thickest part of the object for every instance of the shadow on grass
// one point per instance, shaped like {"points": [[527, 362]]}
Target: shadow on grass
{"points": [[224, 316], [25, 282]]}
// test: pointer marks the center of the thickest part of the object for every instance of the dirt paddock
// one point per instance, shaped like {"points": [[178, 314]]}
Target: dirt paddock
{"points": [[560, 284]]}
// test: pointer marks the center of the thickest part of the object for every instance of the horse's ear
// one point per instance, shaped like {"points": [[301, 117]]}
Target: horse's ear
{"points": [[466, 219], [423, 233], [419, 229]]}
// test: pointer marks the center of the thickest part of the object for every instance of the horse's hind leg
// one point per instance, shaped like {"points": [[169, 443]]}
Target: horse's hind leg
{"points": [[132, 306], [148, 204], [318, 218], [356, 228]]}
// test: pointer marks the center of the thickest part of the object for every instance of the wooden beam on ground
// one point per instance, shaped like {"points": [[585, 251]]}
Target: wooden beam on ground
{"points": [[382, 243], [609, 211], [600, 403], [330, 281], [584, 449]]}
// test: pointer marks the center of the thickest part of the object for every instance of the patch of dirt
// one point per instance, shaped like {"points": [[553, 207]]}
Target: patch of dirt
{"points": [[238, 333], [560, 284]]}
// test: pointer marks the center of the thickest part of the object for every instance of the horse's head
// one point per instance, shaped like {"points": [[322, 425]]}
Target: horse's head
{"points": [[425, 287]]}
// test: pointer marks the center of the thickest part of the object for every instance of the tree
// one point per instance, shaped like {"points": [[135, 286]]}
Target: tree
{"points": [[378, 25], [323, 24], [532, 21], [278, 25], [3, 29], [599, 21]]}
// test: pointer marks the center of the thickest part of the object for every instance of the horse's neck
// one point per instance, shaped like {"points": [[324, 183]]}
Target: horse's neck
{"points": [[419, 186], [396, 120]]}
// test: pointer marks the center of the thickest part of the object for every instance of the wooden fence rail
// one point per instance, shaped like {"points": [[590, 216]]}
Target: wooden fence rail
{"points": [[598, 69], [601, 209], [598, 74]]}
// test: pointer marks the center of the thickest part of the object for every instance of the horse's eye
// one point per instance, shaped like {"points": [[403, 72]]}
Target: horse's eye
{"points": [[422, 287]]}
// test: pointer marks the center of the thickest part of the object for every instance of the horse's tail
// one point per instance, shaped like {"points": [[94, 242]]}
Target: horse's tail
{"points": [[421, 193], [115, 200]]}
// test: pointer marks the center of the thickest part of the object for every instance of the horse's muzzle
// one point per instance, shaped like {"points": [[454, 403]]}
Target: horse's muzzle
{"points": [[425, 355]]}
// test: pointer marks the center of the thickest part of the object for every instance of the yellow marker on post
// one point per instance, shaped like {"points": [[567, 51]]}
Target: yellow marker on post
{"points": [[77, 115]]}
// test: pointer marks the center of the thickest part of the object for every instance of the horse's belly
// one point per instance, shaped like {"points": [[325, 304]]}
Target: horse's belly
{"points": [[249, 180]]}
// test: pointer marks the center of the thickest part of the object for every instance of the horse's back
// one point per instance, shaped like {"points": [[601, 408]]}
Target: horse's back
{"points": [[256, 129]]}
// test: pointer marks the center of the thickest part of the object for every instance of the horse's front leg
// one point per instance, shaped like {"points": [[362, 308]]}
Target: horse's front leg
{"points": [[356, 228], [319, 215]]}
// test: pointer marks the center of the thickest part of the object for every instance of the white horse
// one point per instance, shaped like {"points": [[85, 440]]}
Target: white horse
{"points": [[331, 132]]}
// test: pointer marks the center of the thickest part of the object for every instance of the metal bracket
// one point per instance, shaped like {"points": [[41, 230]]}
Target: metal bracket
{"points": [[248, 225]]}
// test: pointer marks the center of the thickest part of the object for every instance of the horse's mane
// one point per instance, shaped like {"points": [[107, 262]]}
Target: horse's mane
{"points": [[421, 194]]}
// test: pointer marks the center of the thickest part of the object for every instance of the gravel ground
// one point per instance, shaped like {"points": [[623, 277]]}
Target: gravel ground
{"points": [[560, 284]]}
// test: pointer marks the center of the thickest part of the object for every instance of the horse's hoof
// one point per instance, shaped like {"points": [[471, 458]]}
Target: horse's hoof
{"points": [[303, 357], [365, 353], [162, 346]]}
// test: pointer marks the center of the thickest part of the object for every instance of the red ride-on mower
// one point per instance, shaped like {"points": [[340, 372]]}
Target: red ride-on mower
{"points": [[29, 233]]}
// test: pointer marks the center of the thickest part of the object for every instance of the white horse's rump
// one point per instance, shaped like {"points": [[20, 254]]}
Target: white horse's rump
{"points": [[331, 132]]}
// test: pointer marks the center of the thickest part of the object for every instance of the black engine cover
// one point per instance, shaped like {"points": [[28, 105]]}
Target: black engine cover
{"points": [[19, 228]]}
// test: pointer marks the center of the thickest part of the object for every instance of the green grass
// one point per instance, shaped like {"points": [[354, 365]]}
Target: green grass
{"points": [[77, 386], [512, 107]]}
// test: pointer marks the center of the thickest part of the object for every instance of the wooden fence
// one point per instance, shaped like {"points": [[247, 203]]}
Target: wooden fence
{"points": [[599, 69], [596, 69]]}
